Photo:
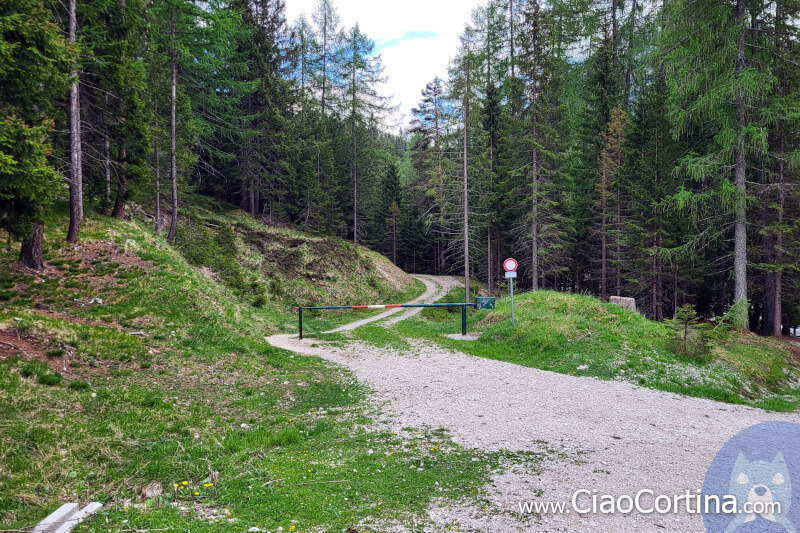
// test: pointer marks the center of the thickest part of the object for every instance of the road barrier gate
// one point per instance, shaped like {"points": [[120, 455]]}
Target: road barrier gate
{"points": [[481, 302]]}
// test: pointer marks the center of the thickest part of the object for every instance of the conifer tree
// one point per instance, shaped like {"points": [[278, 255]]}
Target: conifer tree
{"points": [[361, 73], [34, 58], [711, 80]]}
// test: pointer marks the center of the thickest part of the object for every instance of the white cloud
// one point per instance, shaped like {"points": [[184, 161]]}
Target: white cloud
{"points": [[411, 63]]}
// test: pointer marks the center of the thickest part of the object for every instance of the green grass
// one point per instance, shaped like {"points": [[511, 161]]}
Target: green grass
{"points": [[170, 381], [579, 335]]}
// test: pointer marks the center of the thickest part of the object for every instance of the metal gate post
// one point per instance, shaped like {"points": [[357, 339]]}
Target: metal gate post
{"points": [[464, 320], [300, 311]]}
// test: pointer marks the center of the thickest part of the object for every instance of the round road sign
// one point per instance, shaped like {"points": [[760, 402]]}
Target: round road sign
{"points": [[510, 265]]}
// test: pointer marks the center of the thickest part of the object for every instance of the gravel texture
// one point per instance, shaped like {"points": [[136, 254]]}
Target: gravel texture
{"points": [[615, 437]]}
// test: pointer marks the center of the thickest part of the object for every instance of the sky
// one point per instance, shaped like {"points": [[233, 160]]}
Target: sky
{"points": [[416, 39]]}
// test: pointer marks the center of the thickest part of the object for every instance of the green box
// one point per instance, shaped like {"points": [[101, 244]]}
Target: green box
{"points": [[484, 302]]}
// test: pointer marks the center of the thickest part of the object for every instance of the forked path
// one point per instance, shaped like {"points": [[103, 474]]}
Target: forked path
{"points": [[616, 437]]}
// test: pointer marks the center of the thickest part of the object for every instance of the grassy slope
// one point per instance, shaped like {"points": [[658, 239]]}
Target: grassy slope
{"points": [[195, 397], [582, 336]]}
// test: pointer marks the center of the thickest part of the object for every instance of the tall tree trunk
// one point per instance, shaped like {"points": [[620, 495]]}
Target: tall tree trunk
{"points": [[466, 186], [603, 236], [774, 326], [119, 203], [629, 62], [107, 157], [324, 60], [511, 31], [173, 225], [614, 32], [158, 191], [251, 199], [353, 163], [394, 238], [740, 168], [534, 154], [674, 290], [75, 155], [158, 172], [618, 242], [31, 253], [122, 188], [490, 258], [107, 166], [653, 277]]}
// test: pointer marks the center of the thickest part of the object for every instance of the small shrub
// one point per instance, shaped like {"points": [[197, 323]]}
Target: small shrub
{"points": [[30, 369], [145, 365], [7, 295], [75, 364], [50, 379], [260, 301], [275, 287], [56, 353], [25, 325], [79, 385]]}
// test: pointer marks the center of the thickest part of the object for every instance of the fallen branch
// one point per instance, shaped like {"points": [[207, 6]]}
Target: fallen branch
{"points": [[270, 482], [29, 356]]}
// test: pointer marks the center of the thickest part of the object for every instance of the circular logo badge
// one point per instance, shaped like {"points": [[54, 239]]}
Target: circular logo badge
{"points": [[753, 484]]}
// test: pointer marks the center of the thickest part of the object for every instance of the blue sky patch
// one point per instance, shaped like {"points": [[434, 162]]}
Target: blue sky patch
{"points": [[407, 36]]}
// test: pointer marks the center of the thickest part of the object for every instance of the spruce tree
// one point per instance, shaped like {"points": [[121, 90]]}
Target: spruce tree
{"points": [[34, 59]]}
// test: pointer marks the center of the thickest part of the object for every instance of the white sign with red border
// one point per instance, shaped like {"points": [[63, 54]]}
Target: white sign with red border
{"points": [[510, 265]]}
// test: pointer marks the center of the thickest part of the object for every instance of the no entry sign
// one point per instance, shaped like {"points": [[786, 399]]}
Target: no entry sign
{"points": [[511, 272]]}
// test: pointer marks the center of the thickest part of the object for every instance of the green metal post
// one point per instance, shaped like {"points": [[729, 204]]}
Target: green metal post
{"points": [[300, 310], [464, 320]]}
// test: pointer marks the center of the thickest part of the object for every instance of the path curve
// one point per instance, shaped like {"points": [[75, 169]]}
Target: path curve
{"points": [[435, 288], [615, 437]]}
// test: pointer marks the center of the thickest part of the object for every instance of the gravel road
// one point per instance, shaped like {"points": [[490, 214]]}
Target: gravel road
{"points": [[615, 437]]}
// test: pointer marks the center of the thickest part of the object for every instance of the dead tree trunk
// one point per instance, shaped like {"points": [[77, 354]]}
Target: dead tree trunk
{"points": [[31, 253]]}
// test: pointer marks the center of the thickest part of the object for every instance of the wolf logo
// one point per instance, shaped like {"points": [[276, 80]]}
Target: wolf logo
{"points": [[766, 486]]}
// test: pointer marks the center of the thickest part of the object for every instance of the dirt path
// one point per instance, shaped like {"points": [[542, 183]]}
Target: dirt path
{"points": [[615, 437], [434, 290]]}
